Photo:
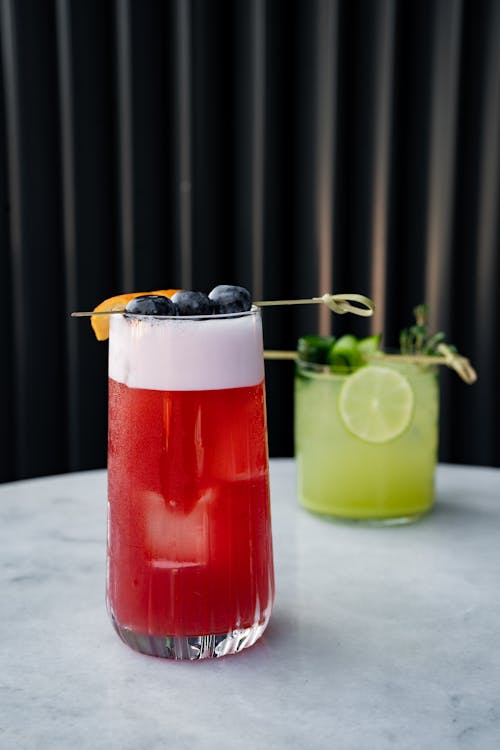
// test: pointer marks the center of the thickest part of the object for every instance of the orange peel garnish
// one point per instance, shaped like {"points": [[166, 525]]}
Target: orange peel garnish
{"points": [[100, 323]]}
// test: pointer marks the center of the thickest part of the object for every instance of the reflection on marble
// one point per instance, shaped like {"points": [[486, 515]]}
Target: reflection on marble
{"points": [[380, 637]]}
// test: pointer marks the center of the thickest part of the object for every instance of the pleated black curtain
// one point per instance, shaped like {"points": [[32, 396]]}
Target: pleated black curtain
{"points": [[291, 147]]}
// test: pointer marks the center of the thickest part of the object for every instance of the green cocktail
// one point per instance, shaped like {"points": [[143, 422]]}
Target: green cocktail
{"points": [[366, 439]]}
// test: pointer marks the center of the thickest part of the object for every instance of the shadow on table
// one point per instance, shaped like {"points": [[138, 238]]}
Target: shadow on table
{"points": [[277, 630], [451, 505], [299, 635]]}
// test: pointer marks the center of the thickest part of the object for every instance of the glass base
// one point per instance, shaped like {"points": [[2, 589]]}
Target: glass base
{"points": [[389, 521], [191, 647]]}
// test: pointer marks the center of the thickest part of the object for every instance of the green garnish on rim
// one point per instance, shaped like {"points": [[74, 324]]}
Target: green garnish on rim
{"points": [[315, 348], [348, 353], [343, 355], [417, 340]]}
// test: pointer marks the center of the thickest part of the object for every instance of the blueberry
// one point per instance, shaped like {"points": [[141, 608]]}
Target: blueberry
{"points": [[230, 299], [151, 304], [192, 303]]}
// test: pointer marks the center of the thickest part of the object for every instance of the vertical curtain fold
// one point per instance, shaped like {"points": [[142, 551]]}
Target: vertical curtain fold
{"points": [[184, 134], [124, 137], [15, 404], [68, 218]]}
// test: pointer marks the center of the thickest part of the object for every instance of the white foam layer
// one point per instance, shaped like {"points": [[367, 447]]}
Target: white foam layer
{"points": [[183, 354]]}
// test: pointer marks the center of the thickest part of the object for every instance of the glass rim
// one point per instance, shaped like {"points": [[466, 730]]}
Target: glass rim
{"points": [[326, 370], [179, 318]]}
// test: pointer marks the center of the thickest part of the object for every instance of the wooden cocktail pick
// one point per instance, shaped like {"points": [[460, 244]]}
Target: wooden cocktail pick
{"points": [[449, 358], [338, 303]]}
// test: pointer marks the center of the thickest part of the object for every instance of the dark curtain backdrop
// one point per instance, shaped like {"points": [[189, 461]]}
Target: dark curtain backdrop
{"points": [[291, 147]]}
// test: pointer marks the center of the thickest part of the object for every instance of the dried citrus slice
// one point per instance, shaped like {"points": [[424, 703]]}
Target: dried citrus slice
{"points": [[100, 323], [376, 404]]}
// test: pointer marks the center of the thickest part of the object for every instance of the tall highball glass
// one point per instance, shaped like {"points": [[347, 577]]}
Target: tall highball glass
{"points": [[190, 565]]}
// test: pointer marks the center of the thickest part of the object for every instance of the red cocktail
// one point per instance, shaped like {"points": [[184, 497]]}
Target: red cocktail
{"points": [[190, 572]]}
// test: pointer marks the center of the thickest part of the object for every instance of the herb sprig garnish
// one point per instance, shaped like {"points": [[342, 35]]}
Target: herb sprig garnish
{"points": [[416, 339]]}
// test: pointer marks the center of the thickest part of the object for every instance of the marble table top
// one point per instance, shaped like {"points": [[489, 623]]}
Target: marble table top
{"points": [[380, 637]]}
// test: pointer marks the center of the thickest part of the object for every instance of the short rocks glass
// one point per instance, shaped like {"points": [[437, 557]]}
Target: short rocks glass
{"points": [[366, 442]]}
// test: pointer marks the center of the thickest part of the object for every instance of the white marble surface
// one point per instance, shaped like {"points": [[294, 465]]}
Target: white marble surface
{"points": [[380, 638]]}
